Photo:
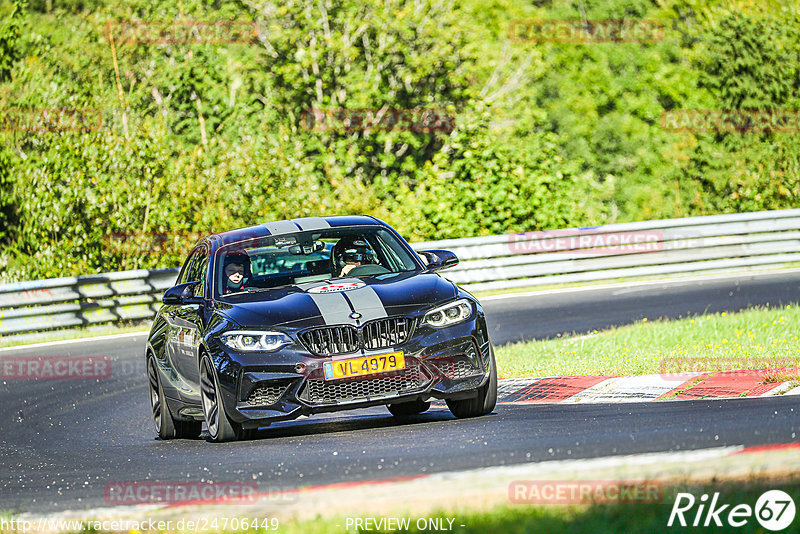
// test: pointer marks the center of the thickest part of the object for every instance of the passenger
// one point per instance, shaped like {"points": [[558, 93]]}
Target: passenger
{"points": [[237, 271]]}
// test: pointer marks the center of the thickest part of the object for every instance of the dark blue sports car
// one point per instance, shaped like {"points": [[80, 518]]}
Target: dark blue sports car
{"points": [[290, 318]]}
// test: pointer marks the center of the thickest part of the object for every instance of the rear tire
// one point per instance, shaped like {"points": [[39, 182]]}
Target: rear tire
{"points": [[407, 409], [484, 402], [220, 428], [166, 426]]}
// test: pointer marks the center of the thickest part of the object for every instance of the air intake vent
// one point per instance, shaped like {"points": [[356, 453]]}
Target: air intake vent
{"points": [[268, 394]]}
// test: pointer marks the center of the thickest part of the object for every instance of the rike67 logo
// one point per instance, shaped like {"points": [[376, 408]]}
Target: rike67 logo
{"points": [[774, 510]]}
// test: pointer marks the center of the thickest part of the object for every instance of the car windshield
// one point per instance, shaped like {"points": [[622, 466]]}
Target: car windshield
{"points": [[312, 256]]}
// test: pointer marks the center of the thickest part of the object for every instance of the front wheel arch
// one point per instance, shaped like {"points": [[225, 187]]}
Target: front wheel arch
{"points": [[220, 426], [486, 399]]}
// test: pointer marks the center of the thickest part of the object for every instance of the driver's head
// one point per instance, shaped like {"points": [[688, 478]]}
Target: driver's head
{"points": [[352, 251]]}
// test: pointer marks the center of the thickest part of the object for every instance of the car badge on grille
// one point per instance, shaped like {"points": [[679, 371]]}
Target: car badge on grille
{"points": [[355, 315]]}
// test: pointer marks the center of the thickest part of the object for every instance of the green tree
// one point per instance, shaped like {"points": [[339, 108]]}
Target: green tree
{"points": [[10, 29], [481, 185], [365, 55], [748, 63]]}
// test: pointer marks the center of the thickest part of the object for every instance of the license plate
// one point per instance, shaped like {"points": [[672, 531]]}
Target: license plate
{"points": [[366, 365]]}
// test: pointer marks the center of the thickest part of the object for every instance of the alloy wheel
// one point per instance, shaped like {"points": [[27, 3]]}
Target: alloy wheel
{"points": [[209, 397], [155, 400]]}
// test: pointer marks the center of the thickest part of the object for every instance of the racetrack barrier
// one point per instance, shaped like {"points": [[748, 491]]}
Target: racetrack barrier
{"points": [[59, 303], [670, 247], [716, 243]]}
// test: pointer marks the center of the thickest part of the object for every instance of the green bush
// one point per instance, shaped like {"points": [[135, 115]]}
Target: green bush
{"points": [[203, 137]]}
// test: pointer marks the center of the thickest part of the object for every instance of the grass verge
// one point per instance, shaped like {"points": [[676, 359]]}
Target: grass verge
{"points": [[631, 517], [751, 339]]}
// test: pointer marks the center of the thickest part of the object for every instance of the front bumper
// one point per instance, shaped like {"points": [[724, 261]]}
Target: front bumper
{"points": [[257, 389]]}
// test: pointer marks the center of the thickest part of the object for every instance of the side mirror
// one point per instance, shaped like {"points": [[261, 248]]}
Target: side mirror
{"points": [[182, 294], [439, 259]]}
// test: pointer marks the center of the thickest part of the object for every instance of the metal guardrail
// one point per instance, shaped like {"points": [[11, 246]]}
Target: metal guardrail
{"points": [[747, 241], [716, 243], [84, 300]]}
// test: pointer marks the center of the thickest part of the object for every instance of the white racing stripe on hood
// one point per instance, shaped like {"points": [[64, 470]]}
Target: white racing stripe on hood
{"points": [[367, 302], [333, 307]]}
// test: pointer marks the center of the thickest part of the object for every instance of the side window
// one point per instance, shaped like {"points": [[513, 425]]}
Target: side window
{"points": [[198, 270], [396, 257], [184, 274]]}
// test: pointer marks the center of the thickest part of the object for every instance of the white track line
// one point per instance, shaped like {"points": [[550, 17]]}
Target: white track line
{"points": [[670, 281], [78, 340]]}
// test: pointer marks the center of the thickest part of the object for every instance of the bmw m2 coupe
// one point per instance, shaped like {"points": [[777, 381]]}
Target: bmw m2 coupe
{"points": [[290, 318]]}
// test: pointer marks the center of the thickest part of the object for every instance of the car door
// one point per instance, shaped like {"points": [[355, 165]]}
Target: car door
{"points": [[170, 313], [182, 329], [189, 322]]}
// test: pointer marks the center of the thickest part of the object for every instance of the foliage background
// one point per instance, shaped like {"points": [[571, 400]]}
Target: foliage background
{"points": [[546, 135]]}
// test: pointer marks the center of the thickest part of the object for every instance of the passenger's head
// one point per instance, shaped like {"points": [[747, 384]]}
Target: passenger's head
{"points": [[236, 268]]}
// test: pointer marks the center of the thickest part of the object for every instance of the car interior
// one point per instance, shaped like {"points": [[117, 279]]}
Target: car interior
{"points": [[314, 257]]}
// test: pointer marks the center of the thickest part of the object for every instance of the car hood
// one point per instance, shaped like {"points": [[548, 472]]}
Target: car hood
{"points": [[339, 301]]}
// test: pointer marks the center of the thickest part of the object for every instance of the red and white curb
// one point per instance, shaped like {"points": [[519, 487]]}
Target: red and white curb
{"points": [[675, 386]]}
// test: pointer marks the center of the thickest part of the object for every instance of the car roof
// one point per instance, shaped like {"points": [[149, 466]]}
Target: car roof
{"points": [[292, 225]]}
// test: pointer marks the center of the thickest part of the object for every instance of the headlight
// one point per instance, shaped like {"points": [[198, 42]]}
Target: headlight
{"points": [[449, 314], [255, 341]]}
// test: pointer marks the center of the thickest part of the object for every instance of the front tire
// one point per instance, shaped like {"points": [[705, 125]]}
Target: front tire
{"points": [[484, 402], [166, 426], [220, 428]]}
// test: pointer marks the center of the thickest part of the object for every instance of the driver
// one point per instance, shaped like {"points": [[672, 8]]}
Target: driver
{"points": [[351, 252], [236, 269]]}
